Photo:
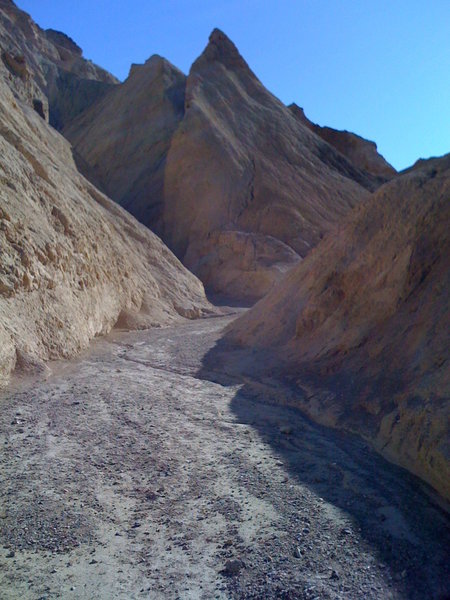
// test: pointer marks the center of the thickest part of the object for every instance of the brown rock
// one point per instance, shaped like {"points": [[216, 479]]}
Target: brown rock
{"points": [[363, 322], [361, 152]]}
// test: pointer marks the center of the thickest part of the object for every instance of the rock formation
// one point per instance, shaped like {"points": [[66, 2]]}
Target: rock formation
{"points": [[125, 137], [362, 324], [53, 75], [361, 152], [236, 185], [73, 263]]}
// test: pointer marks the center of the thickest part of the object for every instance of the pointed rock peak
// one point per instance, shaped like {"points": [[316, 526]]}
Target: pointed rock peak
{"points": [[221, 41], [221, 49]]}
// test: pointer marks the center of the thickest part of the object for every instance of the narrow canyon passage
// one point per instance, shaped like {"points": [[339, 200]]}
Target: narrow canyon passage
{"points": [[129, 475]]}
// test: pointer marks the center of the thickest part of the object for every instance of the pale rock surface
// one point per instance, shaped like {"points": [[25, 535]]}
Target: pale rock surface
{"points": [[53, 75], [73, 263], [240, 162], [362, 324], [123, 139], [361, 152]]}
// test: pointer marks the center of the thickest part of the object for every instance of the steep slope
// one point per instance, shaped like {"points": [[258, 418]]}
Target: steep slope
{"points": [[125, 137], [51, 66], [72, 263], [362, 324], [361, 152], [248, 189], [237, 187]]}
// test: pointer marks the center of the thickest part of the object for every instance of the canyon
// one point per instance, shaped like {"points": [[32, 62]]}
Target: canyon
{"points": [[223, 339]]}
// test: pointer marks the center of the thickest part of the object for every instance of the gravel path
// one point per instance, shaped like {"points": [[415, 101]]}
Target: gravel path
{"points": [[133, 473]]}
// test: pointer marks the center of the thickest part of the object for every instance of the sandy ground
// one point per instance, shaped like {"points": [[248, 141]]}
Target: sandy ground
{"points": [[134, 473]]}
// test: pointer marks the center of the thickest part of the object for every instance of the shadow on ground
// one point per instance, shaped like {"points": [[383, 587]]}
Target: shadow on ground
{"points": [[391, 511]]}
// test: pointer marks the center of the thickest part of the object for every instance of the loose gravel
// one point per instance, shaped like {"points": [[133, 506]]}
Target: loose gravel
{"points": [[133, 473]]}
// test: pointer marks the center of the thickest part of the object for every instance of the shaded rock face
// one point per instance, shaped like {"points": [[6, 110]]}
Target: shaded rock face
{"points": [[361, 152], [362, 325], [123, 139], [54, 71], [73, 263]]}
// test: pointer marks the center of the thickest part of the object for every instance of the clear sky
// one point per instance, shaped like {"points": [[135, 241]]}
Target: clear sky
{"points": [[380, 68]]}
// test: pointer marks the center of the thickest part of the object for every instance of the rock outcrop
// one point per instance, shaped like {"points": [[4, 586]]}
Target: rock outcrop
{"points": [[361, 152], [124, 138], [73, 263], [362, 324], [240, 163], [235, 184], [47, 68]]}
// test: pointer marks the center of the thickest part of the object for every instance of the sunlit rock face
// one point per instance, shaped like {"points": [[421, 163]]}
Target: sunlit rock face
{"points": [[215, 164], [246, 192], [362, 324], [53, 75], [72, 262], [123, 140]]}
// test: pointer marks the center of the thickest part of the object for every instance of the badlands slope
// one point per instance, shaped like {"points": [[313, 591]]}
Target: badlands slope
{"points": [[362, 324], [48, 67], [73, 263]]}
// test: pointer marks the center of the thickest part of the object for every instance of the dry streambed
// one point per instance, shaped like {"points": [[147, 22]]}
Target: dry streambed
{"points": [[134, 474]]}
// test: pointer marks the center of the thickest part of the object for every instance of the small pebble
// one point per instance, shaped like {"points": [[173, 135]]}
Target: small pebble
{"points": [[233, 567], [334, 575]]}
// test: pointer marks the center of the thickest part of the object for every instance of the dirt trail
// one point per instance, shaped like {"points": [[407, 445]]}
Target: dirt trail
{"points": [[130, 475]]}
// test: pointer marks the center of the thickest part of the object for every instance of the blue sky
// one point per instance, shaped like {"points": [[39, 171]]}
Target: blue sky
{"points": [[380, 68]]}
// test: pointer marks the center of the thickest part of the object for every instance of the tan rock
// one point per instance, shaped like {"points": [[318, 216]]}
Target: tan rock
{"points": [[215, 168], [240, 162], [124, 138], [72, 262], [243, 265], [47, 69], [362, 324]]}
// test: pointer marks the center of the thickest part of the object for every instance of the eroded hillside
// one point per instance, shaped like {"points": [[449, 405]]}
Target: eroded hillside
{"points": [[362, 325], [73, 263], [236, 185]]}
